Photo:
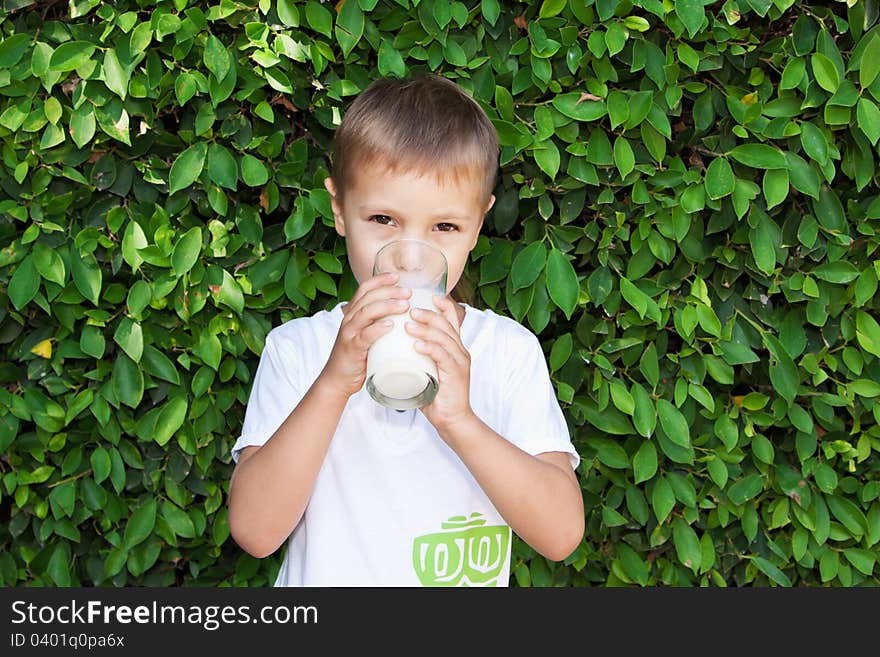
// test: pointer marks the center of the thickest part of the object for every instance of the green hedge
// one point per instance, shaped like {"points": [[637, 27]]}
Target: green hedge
{"points": [[687, 216]]}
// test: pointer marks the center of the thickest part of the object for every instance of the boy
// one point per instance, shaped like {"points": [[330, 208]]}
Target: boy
{"points": [[369, 496]]}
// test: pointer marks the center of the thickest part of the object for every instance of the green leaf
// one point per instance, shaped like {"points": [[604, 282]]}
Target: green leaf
{"points": [[771, 571], [114, 74], [645, 462], [13, 48], [869, 66], [624, 158], [130, 337], [829, 210], [24, 284], [100, 461], [609, 420], [825, 72], [611, 454], [868, 117], [687, 545], [673, 423], [863, 560], [490, 10], [253, 171], [216, 57], [783, 372], [58, 567], [319, 18], [71, 55], [759, 156], [140, 525], [222, 167], [230, 293], [186, 252], [128, 381], [560, 352], [745, 489], [621, 397], [804, 177], [562, 282], [644, 413], [528, 265], [63, 499], [662, 499], [849, 515], [82, 125], [814, 143], [349, 26], [720, 180], [692, 14], [49, 264], [550, 8], [171, 418], [187, 167], [793, 73], [775, 186], [547, 158], [179, 522], [159, 365], [278, 80], [86, 274], [836, 272], [390, 61], [574, 106], [762, 240], [288, 13], [113, 120], [636, 569]]}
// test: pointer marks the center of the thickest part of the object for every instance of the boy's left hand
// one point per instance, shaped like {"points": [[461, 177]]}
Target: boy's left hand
{"points": [[440, 336]]}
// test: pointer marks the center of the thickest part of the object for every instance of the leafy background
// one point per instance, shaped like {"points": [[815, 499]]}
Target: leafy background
{"points": [[687, 217]]}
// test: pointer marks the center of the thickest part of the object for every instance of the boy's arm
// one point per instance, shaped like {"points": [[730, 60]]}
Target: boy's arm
{"points": [[271, 484], [538, 496]]}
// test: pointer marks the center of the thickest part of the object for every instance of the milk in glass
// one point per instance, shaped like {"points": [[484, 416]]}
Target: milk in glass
{"points": [[395, 369], [398, 376]]}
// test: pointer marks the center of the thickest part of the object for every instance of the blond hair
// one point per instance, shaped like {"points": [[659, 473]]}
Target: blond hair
{"points": [[426, 124]]}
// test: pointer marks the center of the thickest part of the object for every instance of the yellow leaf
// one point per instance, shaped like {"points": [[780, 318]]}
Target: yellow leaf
{"points": [[43, 349]]}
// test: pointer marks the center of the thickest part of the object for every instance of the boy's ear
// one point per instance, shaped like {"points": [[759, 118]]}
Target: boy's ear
{"points": [[482, 219], [489, 204], [335, 205]]}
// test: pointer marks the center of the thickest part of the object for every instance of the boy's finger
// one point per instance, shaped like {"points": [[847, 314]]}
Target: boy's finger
{"points": [[373, 332], [436, 320], [432, 335], [376, 282], [447, 308], [373, 310], [444, 359], [373, 294]]}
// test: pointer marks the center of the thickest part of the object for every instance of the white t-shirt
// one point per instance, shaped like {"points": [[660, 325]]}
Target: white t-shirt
{"points": [[393, 505]]}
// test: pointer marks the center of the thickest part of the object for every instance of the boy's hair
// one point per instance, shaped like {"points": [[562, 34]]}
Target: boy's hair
{"points": [[425, 123]]}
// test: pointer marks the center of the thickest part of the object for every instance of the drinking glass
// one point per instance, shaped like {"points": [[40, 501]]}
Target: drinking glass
{"points": [[398, 376]]}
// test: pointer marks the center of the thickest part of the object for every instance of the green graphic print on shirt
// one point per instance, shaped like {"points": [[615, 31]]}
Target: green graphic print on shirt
{"points": [[466, 554]]}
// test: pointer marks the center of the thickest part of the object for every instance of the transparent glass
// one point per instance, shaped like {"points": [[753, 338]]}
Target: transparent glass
{"points": [[398, 376]]}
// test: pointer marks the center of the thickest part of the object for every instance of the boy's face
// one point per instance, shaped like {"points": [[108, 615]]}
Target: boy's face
{"points": [[381, 206]]}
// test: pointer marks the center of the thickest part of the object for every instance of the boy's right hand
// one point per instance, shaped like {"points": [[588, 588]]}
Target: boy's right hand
{"points": [[363, 322]]}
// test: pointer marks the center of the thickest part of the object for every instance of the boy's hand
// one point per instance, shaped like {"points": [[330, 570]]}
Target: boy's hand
{"points": [[439, 335], [362, 324]]}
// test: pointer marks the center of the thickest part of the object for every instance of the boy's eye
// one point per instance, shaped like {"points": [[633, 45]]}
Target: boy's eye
{"points": [[383, 219], [447, 228]]}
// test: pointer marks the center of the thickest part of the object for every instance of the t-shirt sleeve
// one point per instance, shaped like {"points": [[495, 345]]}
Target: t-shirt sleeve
{"points": [[274, 394], [533, 419]]}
